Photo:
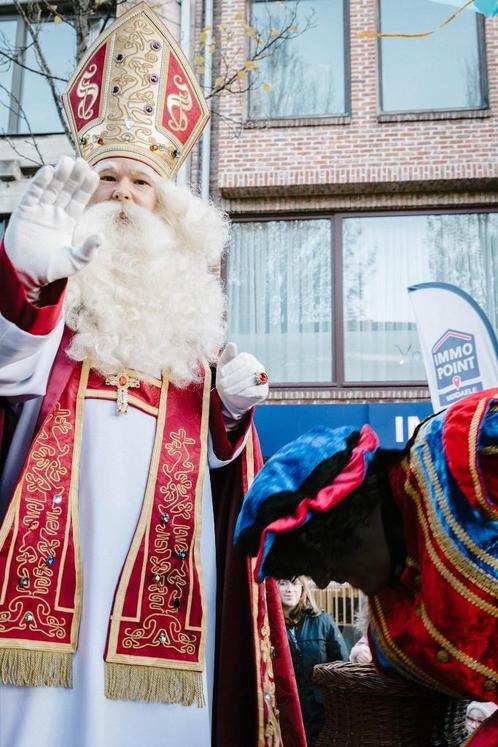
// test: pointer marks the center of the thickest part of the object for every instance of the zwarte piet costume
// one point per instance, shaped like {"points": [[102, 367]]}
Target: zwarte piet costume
{"points": [[437, 620]]}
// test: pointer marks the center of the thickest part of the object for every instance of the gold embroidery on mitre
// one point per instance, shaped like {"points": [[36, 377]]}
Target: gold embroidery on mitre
{"points": [[135, 94]]}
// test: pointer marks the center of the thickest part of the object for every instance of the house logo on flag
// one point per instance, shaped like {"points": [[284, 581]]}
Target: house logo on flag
{"points": [[456, 366]]}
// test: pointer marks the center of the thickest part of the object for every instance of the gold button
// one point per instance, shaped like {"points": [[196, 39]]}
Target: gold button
{"points": [[443, 656], [418, 581], [489, 685]]}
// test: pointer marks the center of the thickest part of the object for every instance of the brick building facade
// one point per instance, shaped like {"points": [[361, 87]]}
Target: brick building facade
{"points": [[341, 198], [434, 164]]}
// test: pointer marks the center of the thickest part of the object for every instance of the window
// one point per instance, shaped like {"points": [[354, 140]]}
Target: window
{"points": [[440, 72], [313, 324], [308, 73], [25, 91], [280, 296]]}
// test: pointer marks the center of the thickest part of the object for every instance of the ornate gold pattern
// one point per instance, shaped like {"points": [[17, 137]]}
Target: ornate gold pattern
{"points": [[171, 533], [169, 582], [402, 662], [40, 517], [466, 566], [140, 99], [123, 381], [42, 480], [445, 572], [269, 732], [462, 657], [50, 485], [273, 735]]}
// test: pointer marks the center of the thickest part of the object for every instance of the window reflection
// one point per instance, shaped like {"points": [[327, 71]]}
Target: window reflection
{"points": [[307, 73], [280, 298], [439, 72], [280, 290], [384, 255], [58, 43], [21, 85]]}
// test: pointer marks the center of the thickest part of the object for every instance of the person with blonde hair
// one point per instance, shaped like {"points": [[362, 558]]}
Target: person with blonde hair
{"points": [[314, 638]]}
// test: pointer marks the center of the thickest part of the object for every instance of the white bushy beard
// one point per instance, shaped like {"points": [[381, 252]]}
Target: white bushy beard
{"points": [[142, 303]]}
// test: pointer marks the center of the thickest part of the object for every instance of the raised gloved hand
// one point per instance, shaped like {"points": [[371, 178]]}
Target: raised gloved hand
{"points": [[237, 382], [38, 239]]}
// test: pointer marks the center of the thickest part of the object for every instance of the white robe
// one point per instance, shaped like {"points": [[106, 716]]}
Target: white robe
{"points": [[114, 468]]}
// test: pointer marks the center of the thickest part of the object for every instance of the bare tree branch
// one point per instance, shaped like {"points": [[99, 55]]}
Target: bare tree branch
{"points": [[19, 111], [231, 121], [30, 69], [264, 47]]}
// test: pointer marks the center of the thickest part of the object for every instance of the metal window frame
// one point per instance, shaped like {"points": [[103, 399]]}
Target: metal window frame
{"points": [[338, 381], [315, 118], [483, 73]]}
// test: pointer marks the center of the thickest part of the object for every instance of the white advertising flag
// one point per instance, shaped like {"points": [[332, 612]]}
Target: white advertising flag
{"points": [[459, 345]]}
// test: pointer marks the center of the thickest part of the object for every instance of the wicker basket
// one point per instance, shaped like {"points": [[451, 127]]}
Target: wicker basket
{"points": [[366, 709]]}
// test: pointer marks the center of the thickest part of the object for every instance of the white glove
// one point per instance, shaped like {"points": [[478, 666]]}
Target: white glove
{"points": [[236, 382], [38, 239]]}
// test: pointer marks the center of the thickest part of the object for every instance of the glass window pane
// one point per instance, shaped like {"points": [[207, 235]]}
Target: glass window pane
{"points": [[280, 297], [441, 71], [306, 73], [58, 44], [382, 257], [8, 42]]}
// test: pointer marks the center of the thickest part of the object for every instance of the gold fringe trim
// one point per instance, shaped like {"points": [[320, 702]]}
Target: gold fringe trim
{"points": [[35, 668], [126, 682]]}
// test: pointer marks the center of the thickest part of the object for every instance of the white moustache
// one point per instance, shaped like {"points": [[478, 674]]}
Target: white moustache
{"points": [[125, 225]]}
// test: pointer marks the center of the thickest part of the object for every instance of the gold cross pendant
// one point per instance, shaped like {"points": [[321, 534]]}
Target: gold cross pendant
{"points": [[122, 381]]}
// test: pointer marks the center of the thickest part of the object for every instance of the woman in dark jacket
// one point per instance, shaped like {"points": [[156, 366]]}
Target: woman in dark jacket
{"points": [[314, 638]]}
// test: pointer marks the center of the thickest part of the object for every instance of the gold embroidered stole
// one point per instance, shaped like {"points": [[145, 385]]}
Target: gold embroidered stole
{"points": [[155, 646]]}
